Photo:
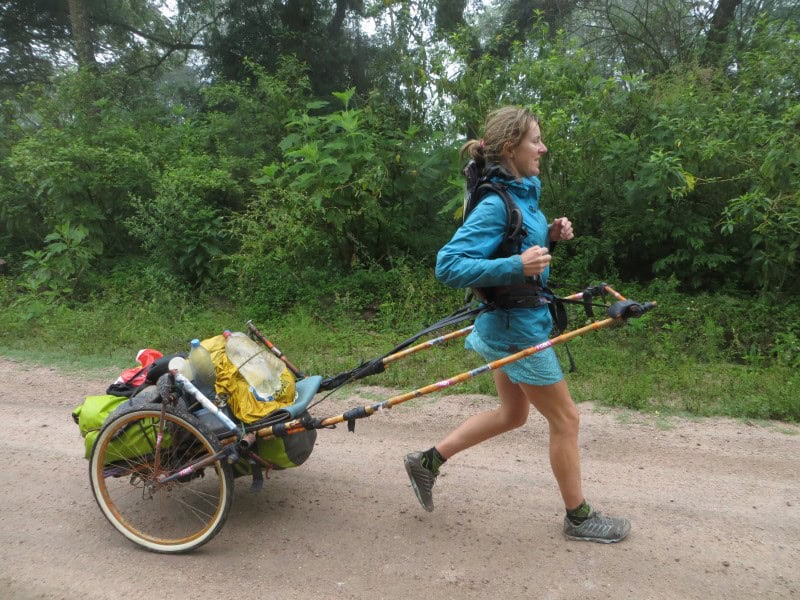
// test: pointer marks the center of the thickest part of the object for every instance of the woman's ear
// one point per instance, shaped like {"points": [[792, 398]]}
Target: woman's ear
{"points": [[507, 154]]}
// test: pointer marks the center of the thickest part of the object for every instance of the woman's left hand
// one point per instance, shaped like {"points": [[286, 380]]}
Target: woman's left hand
{"points": [[561, 230]]}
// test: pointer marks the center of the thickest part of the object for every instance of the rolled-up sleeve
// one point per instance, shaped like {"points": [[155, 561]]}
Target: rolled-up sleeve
{"points": [[465, 260]]}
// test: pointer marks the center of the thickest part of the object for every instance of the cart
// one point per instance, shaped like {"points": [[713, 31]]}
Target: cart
{"points": [[163, 472]]}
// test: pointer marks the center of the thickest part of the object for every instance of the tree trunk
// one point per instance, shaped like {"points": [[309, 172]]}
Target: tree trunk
{"points": [[718, 31], [82, 34]]}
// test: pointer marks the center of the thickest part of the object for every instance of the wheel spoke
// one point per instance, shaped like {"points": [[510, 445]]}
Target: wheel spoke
{"points": [[167, 517], [202, 516]]}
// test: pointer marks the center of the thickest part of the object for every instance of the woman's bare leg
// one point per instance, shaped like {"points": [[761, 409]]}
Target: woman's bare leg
{"points": [[510, 414], [555, 403]]}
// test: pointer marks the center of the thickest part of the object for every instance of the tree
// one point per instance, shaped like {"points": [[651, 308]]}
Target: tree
{"points": [[82, 36], [721, 22], [45, 37], [316, 32], [33, 35]]}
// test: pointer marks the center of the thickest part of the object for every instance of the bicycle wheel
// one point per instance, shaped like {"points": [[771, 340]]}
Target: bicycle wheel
{"points": [[127, 476]]}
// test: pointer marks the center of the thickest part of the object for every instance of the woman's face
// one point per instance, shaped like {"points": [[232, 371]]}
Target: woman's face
{"points": [[523, 159]]}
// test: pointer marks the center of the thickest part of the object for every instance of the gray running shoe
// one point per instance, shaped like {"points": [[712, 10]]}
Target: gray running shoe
{"points": [[422, 479], [598, 528]]}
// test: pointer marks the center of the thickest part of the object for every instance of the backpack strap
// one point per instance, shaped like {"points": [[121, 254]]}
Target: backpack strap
{"points": [[515, 231], [479, 184]]}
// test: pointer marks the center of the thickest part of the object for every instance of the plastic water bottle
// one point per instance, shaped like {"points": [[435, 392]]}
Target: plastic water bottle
{"points": [[201, 364], [260, 368]]}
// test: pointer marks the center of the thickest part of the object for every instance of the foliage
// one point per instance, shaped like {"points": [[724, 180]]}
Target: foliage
{"points": [[244, 121], [770, 208], [181, 225], [347, 193], [76, 162], [40, 38], [681, 170], [673, 134], [32, 34], [207, 177], [318, 33], [68, 253]]}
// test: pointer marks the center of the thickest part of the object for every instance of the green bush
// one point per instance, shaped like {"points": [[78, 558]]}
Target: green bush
{"points": [[680, 358], [348, 191]]}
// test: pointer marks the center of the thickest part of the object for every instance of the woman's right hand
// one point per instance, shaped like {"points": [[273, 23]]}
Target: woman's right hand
{"points": [[535, 260]]}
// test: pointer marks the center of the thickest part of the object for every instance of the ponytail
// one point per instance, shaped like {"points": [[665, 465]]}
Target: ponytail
{"points": [[507, 125]]}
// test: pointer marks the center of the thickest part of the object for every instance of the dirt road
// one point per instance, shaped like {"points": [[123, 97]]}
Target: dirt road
{"points": [[715, 507]]}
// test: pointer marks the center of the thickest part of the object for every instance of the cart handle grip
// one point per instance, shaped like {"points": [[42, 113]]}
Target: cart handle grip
{"points": [[629, 309]]}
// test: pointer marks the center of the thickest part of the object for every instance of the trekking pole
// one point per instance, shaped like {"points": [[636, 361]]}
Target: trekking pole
{"points": [[609, 289], [254, 330], [618, 312], [429, 344], [378, 365], [461, 333]]}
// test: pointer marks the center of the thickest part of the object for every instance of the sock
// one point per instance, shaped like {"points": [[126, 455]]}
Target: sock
{"points": [[578, 515], [432, 460]]}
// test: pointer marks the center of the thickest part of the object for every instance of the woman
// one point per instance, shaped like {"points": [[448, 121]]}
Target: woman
{"points": [[512, 140]]}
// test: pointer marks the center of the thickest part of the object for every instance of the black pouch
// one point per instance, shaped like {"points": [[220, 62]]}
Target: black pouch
{"points": [[161, 366], [153, 371], [126, 389]]}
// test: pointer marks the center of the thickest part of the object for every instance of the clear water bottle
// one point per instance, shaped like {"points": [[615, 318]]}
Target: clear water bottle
{"points": [[201, 365], [260, 368]]}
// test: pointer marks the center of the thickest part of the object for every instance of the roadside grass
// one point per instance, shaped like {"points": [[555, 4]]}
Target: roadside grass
{"points": [[637, 367], [633, 372]]}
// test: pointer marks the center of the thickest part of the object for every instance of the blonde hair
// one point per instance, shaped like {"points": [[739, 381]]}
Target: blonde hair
{"points": [[503, 126]]}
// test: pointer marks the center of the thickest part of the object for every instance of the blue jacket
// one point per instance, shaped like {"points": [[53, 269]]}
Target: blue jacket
{"points": [[465, 262]]}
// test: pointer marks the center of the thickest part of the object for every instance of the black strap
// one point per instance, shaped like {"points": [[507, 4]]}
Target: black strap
{"points": [[558, 311], [374, 366], [531, 294], [515, 231], [572, 367], [258, 477]]}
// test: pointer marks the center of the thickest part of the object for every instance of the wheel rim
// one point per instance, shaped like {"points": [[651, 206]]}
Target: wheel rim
{"points": [[168, 517]]}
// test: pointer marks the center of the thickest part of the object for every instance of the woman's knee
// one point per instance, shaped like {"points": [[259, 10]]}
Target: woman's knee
{"points": [[571, 419], [514, 406], [513, 417], [556, 405]]}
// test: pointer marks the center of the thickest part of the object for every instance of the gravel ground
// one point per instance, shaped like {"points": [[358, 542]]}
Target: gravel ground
{"points": [[715, 507]]}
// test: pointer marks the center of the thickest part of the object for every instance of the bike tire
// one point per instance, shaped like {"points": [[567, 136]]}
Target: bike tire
{"points": [[124, 471]]}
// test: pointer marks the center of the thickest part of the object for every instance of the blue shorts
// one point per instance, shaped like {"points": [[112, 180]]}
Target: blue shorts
{"points": [[541, 368]]}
